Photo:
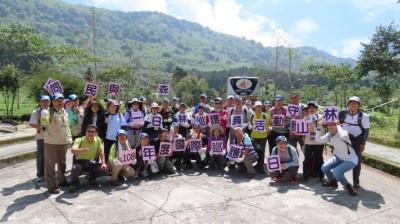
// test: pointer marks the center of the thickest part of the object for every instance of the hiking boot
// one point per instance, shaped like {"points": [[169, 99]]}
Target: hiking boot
{"points": [[330, 183], [144, 173], [135, 176], [351, 190], [231, 166], [54, 190], [294, 180], [304, 180], [64, 184], [88, 178], [250, 175], [356, 185], [114, 182]]}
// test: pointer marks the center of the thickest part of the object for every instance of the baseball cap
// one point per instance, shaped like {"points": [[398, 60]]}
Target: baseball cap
{"points": [[58, 95], [257, 103], [278, 97], [165, 100], [231, 97], [267, 103], [218, 98], [281, 138], [142, 98], [72, 97], [247, 102], [121, 131], [238, 98], [142, 135], [182, 105], [175, 98], [134, 100], [201, 105], [44, 97], [203, 95]]}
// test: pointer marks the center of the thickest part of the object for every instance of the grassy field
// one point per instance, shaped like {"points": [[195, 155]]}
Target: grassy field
{"points": [[26, 104], [384, 129]]}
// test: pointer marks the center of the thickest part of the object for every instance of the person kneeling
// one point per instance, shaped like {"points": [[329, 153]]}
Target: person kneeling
{"points": [[344, 157], [288, 158], [120, 171], [249, 154], [85, 150]]}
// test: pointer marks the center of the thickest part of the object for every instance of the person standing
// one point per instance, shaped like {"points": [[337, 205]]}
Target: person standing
{"points": [[34, 122], [115, 121], [75, 114], [357, 124], [295, 139], [260, 137], [276, 131], [238, 110], [95, 114], [56, 139], [134, 118]]}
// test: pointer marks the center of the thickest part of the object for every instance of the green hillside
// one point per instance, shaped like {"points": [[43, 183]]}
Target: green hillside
{"points": [[159, 42]]}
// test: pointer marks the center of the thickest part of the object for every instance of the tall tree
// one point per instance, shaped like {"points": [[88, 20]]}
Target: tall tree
{"points": [[381, 60], [10, 83]]}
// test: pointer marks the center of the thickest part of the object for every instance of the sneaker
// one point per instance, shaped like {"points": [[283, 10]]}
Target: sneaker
{"points": [[304, 180], [135, 176], [64, 184], [54, 190], [330, 183], [294, 181], [261, 170], [231, 166], [356, 186], [88, 178], [39, 179], [283, 176], [114, 182], [277, 178], [144, 173], [121, 178], [72, 189]]}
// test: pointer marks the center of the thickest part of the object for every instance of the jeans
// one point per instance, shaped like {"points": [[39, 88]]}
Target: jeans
{"points": [[336, 167]]}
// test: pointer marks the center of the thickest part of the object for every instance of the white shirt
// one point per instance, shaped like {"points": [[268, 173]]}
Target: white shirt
{"points": [[350, 124]]}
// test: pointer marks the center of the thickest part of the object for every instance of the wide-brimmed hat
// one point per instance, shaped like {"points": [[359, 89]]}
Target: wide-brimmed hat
{"points": [[355, 99], [134, 100], [257, 103], [214, 127], [154, 105]]}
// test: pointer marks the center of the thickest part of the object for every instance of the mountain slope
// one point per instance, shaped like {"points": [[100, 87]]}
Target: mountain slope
{"points": [[159, 42]]}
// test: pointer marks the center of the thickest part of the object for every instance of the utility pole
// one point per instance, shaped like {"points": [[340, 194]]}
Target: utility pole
{"points": [[93, 2]]}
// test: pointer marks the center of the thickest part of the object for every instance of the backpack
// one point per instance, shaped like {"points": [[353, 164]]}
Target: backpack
{"points": [[255, 145], [289, 150], [245, 111], [264, 116], [343, 114]]}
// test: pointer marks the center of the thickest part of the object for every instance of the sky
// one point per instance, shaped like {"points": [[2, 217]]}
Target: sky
{"points": [[334, 26]]}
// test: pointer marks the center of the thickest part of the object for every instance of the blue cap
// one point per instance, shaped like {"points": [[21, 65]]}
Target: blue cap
{"points": [[165, 100], [182, 105], [121, 131], [142, 98], [281, 138], [247, 102], [44, 97], [58, 95], [174, 124], [175, 98], [203, 95], [278, 97], [72, 97], [267, 103], [238, 98], [201, 105], [142, 135]]}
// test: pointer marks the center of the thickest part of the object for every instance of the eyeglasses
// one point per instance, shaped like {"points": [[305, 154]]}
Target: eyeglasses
{"points": [[90, 131]]}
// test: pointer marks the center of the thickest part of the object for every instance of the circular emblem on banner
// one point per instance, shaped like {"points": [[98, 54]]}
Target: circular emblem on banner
{"points": [[243, 83]]}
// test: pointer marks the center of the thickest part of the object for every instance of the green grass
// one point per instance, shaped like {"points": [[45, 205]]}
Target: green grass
{"points": [[26, 105], [384, 129]]}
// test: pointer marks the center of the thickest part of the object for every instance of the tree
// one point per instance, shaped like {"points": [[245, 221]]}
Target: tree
{"points": [[10, 83], [178, 74], [190, 87], [380, 59]]}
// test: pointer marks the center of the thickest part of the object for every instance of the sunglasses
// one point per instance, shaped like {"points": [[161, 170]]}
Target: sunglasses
{"points": [[90, 131]]}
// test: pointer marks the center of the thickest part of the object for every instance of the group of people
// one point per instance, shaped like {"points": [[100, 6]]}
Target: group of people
{"points": [[99, 135]]}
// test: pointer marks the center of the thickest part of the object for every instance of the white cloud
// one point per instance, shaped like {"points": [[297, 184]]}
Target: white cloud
{"points": [[304, 26], [351, 48], [374, 8], [335, 52]]}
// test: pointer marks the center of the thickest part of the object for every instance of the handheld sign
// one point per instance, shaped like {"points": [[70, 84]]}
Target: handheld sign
{"points": [[165, 149], [234, 152], [179, 144], [273, 163], [201, 119], [46, 86], [292, 110], [278, 120], [301, 127], [128, 156], [113, 89], [217, 147], [331, 114], [182, 118], [259, 125], [156, 122], [148, 153], [214, 119], [163, 90], [236, 120], [195, 145], [90, 89]]}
